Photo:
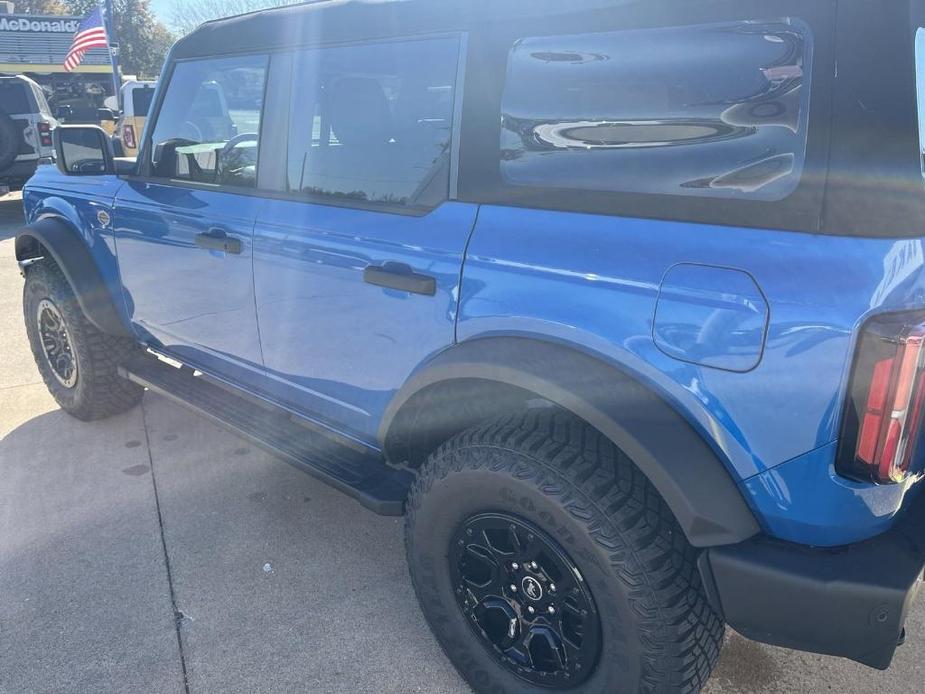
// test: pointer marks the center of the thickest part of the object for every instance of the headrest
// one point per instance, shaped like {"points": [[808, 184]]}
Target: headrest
{"points": [[359, 111]]}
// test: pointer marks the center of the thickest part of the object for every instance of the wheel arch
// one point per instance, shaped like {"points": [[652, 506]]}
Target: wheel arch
{"points": [[56, 238], [483, 377]]}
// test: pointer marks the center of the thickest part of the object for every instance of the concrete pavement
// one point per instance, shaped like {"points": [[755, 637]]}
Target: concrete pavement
{"points": [[155, 552]]}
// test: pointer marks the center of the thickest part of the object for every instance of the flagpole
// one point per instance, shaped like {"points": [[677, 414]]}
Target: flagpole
{"points": [[110, 24]]}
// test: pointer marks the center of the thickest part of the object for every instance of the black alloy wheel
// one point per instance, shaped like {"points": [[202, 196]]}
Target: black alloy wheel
{"points": [[526, 600], [56, 343]]}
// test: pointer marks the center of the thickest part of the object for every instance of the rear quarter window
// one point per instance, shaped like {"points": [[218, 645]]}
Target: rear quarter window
{"points": [[14, 98], [716, 110], [141, 101]]}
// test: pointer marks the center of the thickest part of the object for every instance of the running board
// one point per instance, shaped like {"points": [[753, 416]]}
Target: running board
{"points": [[364, 476]]}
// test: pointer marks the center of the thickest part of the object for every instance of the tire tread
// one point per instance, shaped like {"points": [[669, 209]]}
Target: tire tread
{"points": [[601, 488]]}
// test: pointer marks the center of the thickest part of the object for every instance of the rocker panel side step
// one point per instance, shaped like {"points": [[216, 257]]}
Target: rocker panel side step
{"points": [[365, 477]]}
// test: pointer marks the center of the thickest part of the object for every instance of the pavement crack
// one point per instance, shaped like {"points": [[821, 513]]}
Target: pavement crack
{"points": [[21, 385], [178, 616]]}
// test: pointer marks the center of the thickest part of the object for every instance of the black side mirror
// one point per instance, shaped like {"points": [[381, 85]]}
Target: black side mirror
{"points": [[83, 150], [105, 114]]}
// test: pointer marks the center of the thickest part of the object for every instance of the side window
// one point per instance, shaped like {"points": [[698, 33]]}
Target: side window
{"points": [[718, 110], [372, 123], [14, 95], [141, 101], [208, 125]]}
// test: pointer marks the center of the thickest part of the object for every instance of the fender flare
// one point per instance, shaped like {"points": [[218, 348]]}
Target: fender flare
{"points": [[676, 459], [71, 254]]}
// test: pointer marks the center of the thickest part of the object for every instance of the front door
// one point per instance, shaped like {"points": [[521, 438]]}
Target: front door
{"points": [[184, 227], [357, 271]]}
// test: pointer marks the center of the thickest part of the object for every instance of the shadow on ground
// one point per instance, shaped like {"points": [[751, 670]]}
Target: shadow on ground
{"points": [[85, 597], [280, 583], [276, 582], [11, 216]]}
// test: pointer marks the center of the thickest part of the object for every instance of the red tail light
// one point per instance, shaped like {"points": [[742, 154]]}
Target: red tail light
{"points": [[885, 402], [45, 134], [128, 134]]}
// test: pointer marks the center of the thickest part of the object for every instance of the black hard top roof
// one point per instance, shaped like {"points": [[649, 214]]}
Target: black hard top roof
{"points": [[340, 21]]}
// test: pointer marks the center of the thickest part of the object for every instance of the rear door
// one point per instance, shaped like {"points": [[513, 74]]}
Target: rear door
{"points": [[357, 264], [184, 226]]}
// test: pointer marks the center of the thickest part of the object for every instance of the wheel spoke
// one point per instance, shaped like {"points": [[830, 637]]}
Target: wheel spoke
{"points": [[56, 343], [525, 600]]}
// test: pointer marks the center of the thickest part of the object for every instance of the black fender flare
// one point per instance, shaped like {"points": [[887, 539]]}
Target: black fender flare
{"points": [[71, 254], [675, 458]]}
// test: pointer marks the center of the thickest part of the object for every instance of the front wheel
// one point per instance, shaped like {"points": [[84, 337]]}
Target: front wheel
{"points": [[544, 560], [77, 361]]}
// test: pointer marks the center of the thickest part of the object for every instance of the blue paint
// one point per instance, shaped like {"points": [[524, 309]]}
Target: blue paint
{"points": [[805, 501], [192, 302], [290, 316], [334, 345], [76, 202], [598, 292], [711, 316]]}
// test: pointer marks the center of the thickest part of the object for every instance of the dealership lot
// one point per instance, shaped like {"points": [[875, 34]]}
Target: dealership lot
{"points": [[155, 552]]}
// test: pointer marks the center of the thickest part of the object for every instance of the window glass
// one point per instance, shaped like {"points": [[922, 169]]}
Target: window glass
{"points": [[40, 100], [373, 123], [208, 126], [14, 97], [715, 110], [141, 101]]}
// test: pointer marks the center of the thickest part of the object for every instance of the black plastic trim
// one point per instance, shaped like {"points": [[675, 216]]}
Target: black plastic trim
{"points": [[680, 464], [71, 254], [400, 276], [359, 474], [850, 601]]}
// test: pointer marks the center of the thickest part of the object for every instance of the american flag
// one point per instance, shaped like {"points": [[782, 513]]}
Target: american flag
{"points": [[90, 34]]}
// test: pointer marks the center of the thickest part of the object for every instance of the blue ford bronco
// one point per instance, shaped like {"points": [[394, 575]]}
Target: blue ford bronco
{"points": [[621, 304]]}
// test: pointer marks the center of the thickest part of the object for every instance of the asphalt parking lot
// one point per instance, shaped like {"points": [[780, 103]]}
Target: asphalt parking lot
{"points": [[155, 552]]}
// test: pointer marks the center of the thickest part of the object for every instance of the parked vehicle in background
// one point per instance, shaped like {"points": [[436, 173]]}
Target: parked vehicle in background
{"points": [[25, 128], [137, 97], [621, 303]]}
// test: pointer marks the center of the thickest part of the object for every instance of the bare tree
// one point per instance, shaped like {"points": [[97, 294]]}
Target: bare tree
{"points": [[186, 15], [39, 7]]}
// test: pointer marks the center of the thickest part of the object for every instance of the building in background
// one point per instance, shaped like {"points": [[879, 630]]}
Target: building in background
{"points": [[35, 46]]}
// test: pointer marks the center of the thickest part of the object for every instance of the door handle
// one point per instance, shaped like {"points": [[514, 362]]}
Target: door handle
{"points": [[400, 276], [217, 240]]}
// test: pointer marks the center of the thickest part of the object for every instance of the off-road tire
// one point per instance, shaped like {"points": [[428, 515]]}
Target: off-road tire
{"points": [[659, 632], [99, 391]]}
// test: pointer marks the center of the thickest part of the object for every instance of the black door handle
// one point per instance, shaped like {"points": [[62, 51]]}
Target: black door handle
{"points": [[400, 276], [218, 240]]}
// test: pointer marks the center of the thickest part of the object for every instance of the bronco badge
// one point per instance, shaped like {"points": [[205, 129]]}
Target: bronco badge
{"points": [[532, 588]]}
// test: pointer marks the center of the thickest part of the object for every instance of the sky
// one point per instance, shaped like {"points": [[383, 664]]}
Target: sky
{"points": [[162, 9]]}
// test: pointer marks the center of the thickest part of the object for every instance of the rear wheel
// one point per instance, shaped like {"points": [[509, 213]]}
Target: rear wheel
{"points": [[544, 560], [77, 361]]}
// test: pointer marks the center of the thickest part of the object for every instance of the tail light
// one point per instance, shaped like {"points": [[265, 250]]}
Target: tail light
{"points": [[45, 134], [128, 136], [886, 393]]}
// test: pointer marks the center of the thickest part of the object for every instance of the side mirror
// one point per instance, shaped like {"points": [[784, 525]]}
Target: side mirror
{"points": [[83, 150], [105, 114]]}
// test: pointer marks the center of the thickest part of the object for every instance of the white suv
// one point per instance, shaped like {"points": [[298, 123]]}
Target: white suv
{"points": [[25, 128]]}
